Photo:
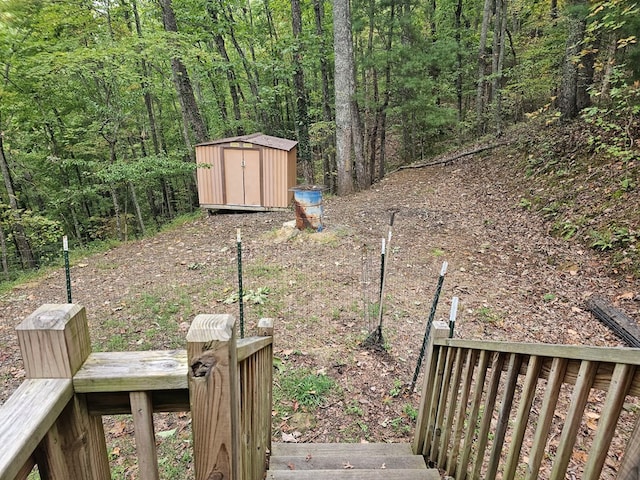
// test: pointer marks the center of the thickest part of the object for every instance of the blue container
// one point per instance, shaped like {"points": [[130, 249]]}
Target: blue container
{"points": [[307, 202]]}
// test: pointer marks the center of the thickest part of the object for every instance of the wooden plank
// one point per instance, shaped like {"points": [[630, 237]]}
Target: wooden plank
{"points": [[338, 462], [214, 393], [116, 403], [250, 345], [515, 361], [54, 342], [441, 405], [420, 444], [463, 462], [265, 327], [132, 371], [609, 416], [26, 417], [630, 466], [574, 417], [458, 428], [547, 411], [337, 449], [450, 409], [575, 352], [26, 469], [352, 474], [522, 416], [142, 412], [487, 416]]}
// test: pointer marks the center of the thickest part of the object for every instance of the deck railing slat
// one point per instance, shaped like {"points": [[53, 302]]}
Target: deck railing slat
{"points": [[579, 399], [630, 466], [522, 416], [471, 358], [142, 412], [620, 382], [441, 402], [451, 406], [515, 360], [483, 363], [489, 405], [547, 411]]}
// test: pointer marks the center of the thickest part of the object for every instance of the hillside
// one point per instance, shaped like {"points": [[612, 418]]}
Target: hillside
{"points": [[518, 225]]}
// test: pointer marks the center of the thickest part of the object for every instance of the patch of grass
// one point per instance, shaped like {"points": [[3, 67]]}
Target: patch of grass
{"points": [[437, 252], [486, 314], [548, 297], [302, 386], [354, 408], [410, 411]]}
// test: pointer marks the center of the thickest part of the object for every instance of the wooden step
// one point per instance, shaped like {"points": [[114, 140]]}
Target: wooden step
{"points": [[363, 474], [348, 461]]}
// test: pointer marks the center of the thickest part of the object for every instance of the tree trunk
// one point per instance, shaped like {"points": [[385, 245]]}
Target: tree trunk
{"points": [[500, 28], [22, 242], [136, 206], [329, 156], [302, 116], [458, 28], [577, 71], [382, 128], [188, 106], [344, 91], [3, 253], [482, 65]]}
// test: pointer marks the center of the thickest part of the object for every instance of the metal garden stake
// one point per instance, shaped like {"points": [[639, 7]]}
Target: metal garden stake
{"points": [[432, 314], [67, 271], [240, 294], [452, 315]]}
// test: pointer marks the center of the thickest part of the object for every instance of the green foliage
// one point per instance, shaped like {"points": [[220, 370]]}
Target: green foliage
{"points": [[306, 388]]}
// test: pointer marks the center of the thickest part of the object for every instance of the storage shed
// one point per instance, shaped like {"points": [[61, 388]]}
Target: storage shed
{"points": [[250, 172]]}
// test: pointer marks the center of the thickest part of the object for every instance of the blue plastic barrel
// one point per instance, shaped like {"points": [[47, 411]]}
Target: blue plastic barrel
{"points": [[307, 202]]}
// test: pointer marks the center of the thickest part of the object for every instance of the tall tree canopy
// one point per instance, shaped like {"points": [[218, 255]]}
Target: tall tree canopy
{"points": [[101, 101]]}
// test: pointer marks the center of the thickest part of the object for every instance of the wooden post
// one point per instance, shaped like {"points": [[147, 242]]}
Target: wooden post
{"points": [[54, 341], [427, 411], [214, 397]]}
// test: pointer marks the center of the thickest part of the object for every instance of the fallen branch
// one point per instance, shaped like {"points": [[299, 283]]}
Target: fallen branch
{"points": [[444, 161], [621, 324]]}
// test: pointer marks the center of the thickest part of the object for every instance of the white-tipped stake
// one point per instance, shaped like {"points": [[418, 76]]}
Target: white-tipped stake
{"points": [[443, 270], [238, 236], [384, 247], [65, 243], [452, 315]]}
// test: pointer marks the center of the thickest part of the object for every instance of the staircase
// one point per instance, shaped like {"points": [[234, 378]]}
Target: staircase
{"points": [[347, 461]]}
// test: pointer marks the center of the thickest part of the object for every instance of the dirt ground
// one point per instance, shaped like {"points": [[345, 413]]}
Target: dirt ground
{"points": [[514, 281]]}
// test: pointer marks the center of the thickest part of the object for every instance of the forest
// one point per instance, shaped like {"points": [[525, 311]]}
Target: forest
{"points": [[102, 101]]}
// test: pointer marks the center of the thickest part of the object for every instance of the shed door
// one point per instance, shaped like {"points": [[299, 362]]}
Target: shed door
{"points": [[243, 185]]}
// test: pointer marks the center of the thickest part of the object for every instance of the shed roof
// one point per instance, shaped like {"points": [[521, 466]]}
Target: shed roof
{"points": [[257, 139]]}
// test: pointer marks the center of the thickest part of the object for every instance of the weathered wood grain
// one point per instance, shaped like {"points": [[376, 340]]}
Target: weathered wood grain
{"points": [[132, 371], [26, 417], [142, 412]]}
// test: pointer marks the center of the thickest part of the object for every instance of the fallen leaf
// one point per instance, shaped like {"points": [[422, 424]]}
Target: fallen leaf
{"points": [[289, 438], [347, 465], [291, 466], [625, 296], [166, 433], [308, 457], [383, 466]]}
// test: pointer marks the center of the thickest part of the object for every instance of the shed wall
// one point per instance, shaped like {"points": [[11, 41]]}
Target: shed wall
{"points": [[278, 175], [210, 175]]}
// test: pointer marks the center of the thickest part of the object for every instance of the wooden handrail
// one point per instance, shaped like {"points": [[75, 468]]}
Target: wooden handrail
{"points": [[27, 417], [57, 420], [478, 400]]}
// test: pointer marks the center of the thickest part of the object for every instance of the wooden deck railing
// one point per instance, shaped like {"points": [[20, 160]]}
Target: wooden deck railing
{"points": [[54, 418], [526, 411]]}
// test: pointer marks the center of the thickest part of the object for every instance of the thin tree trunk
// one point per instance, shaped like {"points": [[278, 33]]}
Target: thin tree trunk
{"points": [[329, 157], [22, 242], [480, 95], [387, 96], [188, 105], [136, 206], [302, 116], [499, 48], [3, 252], [458, 28]]}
